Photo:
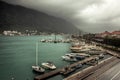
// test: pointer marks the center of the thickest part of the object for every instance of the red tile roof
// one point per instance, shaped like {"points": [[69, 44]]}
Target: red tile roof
{"points": [[116, 32]]}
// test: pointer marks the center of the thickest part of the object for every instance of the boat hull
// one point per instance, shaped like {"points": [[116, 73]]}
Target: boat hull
{"points": [[47, 66], [38, 69]]}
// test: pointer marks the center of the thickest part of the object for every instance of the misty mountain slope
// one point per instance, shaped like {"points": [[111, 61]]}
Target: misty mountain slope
{"points": [[13, 17]]}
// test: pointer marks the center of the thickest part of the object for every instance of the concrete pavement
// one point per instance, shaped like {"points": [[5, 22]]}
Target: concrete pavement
{"points": [[111, 74]]}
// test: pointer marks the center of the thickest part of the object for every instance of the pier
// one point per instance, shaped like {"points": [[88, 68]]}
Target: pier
{"points": [[57, 71], [92, 72], [103, 66], [83, 61], [47, 75]]}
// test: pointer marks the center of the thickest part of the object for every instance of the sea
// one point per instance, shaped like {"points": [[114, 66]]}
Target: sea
{"points": [[17, 55]]}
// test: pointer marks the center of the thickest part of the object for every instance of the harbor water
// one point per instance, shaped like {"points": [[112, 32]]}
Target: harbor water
{"points": [[17, 55]]}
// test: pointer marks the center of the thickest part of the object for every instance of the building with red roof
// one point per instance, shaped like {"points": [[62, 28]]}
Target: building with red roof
{"points": [[115, 34], [103, 34]]}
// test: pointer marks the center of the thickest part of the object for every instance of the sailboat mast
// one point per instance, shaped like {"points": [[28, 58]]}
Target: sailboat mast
{"points": [[36, 53], [55, 37]]}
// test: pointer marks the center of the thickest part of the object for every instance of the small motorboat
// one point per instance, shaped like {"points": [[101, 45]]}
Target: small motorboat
{"points": [[49, 65], [69, 58]]}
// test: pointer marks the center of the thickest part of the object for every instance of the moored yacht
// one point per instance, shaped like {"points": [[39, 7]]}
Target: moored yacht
{"points": [[79, 49], [37, 68], [49, 65], [76, 49], [69, 58]]}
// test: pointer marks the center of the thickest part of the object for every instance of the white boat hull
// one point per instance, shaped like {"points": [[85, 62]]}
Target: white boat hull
{"points": [[38, 69], [47, 66]]}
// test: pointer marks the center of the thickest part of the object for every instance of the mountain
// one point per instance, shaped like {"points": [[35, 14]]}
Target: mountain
{"points": [[14, 17]]}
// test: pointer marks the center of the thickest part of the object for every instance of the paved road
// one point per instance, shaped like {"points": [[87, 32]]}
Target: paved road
{"points": [[111, 74]]}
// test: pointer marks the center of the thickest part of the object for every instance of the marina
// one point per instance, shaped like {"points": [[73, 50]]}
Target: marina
{"points": [[63, 71], [50, 60], [82, 75], [97, 54]]}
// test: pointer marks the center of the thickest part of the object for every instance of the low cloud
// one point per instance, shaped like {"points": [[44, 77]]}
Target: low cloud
{"points": [[88, 15]]}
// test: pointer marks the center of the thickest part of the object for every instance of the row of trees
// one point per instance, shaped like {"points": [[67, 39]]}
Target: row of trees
{"points": [[112, 41]]}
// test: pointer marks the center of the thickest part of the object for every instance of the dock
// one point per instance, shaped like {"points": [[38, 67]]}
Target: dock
{"points": [[83, 61], [57, 71], [90, 70], [47, 75], [81, 75]]}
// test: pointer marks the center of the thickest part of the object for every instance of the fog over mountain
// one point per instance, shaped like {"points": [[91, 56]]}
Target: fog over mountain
{"points": [[14, 17], [88, 15]]}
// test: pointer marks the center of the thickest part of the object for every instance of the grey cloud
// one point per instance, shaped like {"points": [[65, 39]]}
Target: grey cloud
{"points": [[88, 15]]}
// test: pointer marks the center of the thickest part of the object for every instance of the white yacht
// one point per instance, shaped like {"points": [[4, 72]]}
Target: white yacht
{"points": [[76, 49], [42, 40], [81, 48], [49, 65], [36, 67], [69, 58]]}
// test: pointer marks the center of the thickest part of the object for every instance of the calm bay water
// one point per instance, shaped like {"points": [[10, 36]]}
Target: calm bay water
{"points": [[17, 55]]}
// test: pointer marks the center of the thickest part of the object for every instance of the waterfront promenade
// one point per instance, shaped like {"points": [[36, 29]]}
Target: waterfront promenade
{"points": [[84, 74], [92, 72]]}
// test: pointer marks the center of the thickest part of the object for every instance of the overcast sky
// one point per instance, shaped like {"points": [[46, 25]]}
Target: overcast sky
{"points": [[88, 15]]}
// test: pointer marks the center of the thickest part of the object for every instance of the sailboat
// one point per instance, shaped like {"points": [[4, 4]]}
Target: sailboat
{"points": [[36, 67]]}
